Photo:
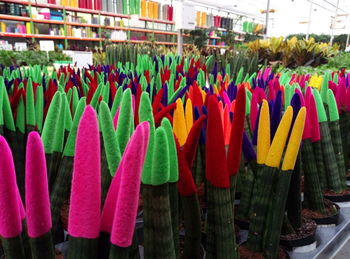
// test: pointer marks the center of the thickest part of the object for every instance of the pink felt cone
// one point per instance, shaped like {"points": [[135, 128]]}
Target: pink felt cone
{"points": [[314, 125], [111, 200], [20, 205], [85, 198], [128, 197], [115, 119], [10, 215], [37, 192], [254, 110], [113, 191]]}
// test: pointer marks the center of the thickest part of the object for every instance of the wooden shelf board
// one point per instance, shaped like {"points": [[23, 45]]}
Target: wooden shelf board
{"points": [[48, 21], [84, 24], [156, 20], [14, 18], [83, 38]]}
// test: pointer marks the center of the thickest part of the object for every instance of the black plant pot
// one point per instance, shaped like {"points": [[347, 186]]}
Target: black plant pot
{"points": [[304, 240]]}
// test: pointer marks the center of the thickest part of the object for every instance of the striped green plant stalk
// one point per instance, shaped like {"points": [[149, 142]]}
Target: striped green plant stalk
{"points": [[276, 212], [42, 247], [312, 189], [263, 193], [330, 162], [260, 202], [162, 226], [192, 221], [336, 136], [317, 150], [13, 247], [117, 252], [148, 229], [294, 197], [222, 208], [247, 193], [333, 179], [338, 150], [82, 248], [281, 187]]}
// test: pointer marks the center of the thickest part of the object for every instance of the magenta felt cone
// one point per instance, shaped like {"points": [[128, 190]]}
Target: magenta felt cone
{"points": [[37, 192], [107, 215], [128, 197], [20, 205], [85, 199], [113, 191], [10, 216], [115, 119]]}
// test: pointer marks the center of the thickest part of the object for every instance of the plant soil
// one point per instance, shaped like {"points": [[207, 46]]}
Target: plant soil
{"points": [[308, 227], [245, 253], [333, 193], [330, 211]]}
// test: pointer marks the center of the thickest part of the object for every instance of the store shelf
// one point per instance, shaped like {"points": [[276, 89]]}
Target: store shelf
{"points": [[48, 21], [84, 24], [38, 36], [83, 38], [145, 41], [53, 37], [14, 18], [84, 10], [115, 14], [156, 20], [116, 28]]}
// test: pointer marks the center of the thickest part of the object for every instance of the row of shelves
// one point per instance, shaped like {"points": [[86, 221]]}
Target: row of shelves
{"points": [[59, 37], [28, 19], [83, 10]]}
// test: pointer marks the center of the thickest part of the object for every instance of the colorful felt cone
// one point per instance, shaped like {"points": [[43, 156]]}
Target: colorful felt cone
{"points": [[179, 124], [10, 223], [37, 199], [125, 125], [279, 200], [220, 233], [85, 200], [128, 195]]}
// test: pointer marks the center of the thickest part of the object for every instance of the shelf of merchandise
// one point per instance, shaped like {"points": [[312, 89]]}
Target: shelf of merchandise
{"points": [[84, 25], [48, 21], [37, 36], [14, 18], [99, 26]]}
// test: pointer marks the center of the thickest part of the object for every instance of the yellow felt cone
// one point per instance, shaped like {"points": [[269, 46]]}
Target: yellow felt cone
{"points": [[263, 133], [274, 155], [189, 115], [294, 141], [179, 123]]}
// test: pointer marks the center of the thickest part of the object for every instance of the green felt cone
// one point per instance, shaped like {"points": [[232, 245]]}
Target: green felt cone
{"points": [[124, 130]]}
